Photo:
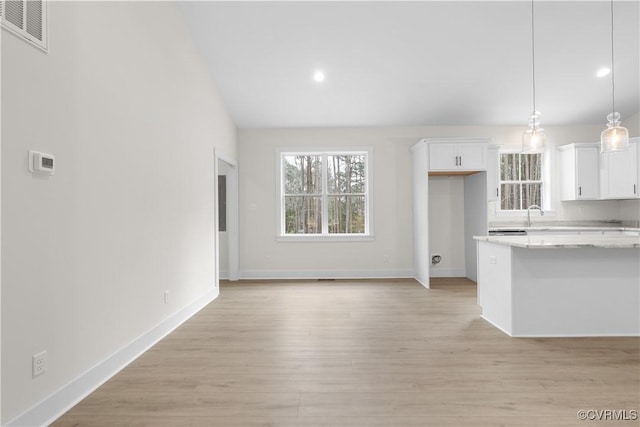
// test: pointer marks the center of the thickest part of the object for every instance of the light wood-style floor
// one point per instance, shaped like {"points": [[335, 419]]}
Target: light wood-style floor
{"points": [[362, 353]]}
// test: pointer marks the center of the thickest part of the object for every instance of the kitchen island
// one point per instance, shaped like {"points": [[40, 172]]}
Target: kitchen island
{"points": [[560, 285]]}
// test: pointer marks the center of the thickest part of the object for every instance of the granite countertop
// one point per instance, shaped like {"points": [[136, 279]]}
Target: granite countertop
{"points": [[566, 241], [568, 226]]}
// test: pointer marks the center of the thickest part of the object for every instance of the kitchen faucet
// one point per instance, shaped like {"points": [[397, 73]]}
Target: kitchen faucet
{"points": [[529, 213]]}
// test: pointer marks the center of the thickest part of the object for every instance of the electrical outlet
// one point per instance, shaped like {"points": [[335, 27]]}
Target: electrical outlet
{"points": [[166, 297], [39, 364], [268, 259], [385, 258]]}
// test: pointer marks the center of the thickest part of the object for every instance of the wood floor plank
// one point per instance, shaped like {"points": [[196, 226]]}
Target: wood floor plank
{"points": [[376, 353]]}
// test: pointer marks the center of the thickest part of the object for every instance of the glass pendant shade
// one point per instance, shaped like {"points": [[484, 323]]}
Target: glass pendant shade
{"points": [[534, 139], [614, 137]]}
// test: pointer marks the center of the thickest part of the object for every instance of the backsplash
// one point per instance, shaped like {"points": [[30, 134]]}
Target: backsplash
{"points": [[627, 211], [630, 210]]}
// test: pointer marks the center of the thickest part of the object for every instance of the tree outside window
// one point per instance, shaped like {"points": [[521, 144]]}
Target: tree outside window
{"points": [[324, 193], [521, 183]]}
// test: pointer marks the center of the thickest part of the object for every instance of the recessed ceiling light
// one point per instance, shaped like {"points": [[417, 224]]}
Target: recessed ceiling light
{"points": [[318, 76], [603, 72]]}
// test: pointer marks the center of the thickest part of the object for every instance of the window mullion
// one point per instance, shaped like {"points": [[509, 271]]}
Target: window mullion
{"points": [[325, 204], [283, 207]]}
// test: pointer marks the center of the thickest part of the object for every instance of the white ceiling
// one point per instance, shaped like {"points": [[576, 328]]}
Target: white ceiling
{"points": [[417, 63]]}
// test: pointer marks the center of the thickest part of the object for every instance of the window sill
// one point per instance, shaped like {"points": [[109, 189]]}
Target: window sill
{"points": [[326, 238], [534, 213]]}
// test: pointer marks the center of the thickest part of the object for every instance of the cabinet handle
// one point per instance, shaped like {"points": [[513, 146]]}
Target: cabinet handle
{"points": [[579, 191], [456, 160], [460, 160], [497, 192], [634, 189]]}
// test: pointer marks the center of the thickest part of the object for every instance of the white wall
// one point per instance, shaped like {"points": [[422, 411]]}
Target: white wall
{"points": [[263, 256], [129, 111], [446, 225], [1, 32], [475, 219]]}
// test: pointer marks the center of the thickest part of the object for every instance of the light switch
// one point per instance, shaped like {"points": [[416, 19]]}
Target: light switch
{"points": [[493, 259]]}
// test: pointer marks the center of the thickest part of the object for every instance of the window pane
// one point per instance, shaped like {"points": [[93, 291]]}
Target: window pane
{"points": [[531, 195], [509, 167], [346, 214], [303, 215], [510, 196], [531, 167], [346, 174], [303, 174]]}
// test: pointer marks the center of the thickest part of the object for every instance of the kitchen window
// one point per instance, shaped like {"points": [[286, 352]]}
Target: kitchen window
{"points": [[324, 195], [523, 181]]}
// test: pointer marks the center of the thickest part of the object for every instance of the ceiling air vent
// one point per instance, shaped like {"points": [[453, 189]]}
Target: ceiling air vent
{"points": [[27, 19]]}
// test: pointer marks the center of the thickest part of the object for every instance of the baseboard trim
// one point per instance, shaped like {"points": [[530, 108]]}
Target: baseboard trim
{"points": [[324, 274], [55, 405], [447, 273], [564, 335]]}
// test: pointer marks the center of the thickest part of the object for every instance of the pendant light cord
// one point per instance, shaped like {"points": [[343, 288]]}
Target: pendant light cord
{"points": [[533, 60], [613, 84]]}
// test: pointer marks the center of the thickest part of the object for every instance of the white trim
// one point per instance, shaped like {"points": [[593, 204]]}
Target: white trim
{"points": [[233, 234], [368, 235], [435, 272], [326, 238], [456, 140], [571, 335], [548, 187], [523, 214], [554, 335], [56, 404], [426, 285], [0, 227], [494, 325], [325, 274]]}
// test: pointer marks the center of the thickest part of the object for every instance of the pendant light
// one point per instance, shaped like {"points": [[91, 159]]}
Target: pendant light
{"points": [[614, 137], [533, 139]]}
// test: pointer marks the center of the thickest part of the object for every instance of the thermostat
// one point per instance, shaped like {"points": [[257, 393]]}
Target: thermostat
{"points": [[41, 162]]}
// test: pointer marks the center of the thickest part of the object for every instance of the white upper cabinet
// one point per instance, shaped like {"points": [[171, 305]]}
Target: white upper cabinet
{"points": [[452, 155], [579, 171], [619, 173], [493, 172]]}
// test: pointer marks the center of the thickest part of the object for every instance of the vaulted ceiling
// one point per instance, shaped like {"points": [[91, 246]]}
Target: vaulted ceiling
{"points": [[417, 63]]}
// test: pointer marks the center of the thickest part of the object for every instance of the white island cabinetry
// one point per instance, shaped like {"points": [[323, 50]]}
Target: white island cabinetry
{"points": [[548, 286]]}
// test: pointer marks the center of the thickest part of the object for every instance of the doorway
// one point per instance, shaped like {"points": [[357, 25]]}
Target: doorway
{"points": [[227, 241]]}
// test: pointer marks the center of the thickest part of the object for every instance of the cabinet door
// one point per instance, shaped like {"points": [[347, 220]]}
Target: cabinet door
{"points": [[493, 171], [472, 156], [587, 173], [619, 174], [443, 157]]}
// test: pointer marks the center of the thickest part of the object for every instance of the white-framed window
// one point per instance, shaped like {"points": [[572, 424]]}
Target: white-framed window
{"points": [[324, 194], [523, 181]]}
